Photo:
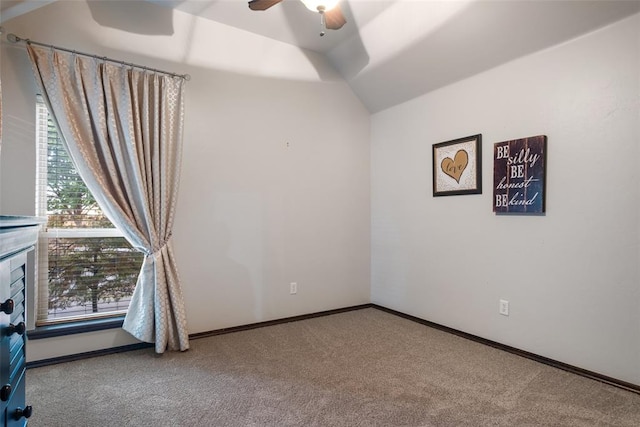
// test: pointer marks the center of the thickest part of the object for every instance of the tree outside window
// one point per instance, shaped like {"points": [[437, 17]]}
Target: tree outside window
{"points": [[91, 269]]}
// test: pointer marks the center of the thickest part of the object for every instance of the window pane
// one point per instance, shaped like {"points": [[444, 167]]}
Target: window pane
{"points": [[91, 275], [69, 202], [88, 272]]}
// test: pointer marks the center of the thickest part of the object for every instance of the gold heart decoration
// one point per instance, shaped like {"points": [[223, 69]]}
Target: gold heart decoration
{"points": [[455, 167]]}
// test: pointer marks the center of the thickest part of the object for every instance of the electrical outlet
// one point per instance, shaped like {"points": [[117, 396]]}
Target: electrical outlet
{"points": [[293, 288], [504, 307]]}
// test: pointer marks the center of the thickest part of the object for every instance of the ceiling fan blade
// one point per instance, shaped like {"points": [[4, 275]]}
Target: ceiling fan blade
{"points": [[334, 19], [262, 4]]}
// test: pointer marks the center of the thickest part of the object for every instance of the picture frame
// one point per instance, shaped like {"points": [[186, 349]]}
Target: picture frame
{"points": [[457, 166], [519, 176]]}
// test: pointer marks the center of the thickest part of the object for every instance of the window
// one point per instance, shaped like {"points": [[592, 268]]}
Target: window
{"points": [[86, 268]]}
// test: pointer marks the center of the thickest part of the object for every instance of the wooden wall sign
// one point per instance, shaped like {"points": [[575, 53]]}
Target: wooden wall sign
{"points": [[519, 175]]}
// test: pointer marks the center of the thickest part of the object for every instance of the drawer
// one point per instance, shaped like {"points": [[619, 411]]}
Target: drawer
{"points": [[17, 368], [17, 362], [16, 405], [17, 295], [16, 339], [14, 379], [18, 309], [13, 384]]}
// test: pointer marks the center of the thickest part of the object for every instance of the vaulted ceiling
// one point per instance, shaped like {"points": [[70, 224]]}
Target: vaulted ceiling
{"points": [[391, 51]]}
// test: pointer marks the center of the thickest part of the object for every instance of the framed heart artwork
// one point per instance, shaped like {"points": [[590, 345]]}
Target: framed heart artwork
{"points": [[457, 166]]}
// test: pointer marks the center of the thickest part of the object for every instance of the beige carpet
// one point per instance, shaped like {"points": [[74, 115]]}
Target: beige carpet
{"points": [[360, 368]]}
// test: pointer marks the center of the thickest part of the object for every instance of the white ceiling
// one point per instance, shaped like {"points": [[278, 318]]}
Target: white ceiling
{"points": [[289, 21], [393, 50]]}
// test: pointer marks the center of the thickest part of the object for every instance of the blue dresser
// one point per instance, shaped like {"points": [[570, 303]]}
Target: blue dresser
{"points": [[18, 236]]}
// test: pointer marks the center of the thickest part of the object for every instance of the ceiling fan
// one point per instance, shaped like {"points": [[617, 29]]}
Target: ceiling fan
{"points": [[331, 16]]}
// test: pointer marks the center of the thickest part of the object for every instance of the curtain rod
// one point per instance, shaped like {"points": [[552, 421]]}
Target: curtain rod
{"points": [[15, 39]]}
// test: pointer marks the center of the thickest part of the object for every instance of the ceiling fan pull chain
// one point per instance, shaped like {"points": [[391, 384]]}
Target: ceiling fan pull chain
{"points": [[323, 24]]}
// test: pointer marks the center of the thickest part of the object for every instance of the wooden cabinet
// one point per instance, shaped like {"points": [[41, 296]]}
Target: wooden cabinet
{"points": [[18, 236]]}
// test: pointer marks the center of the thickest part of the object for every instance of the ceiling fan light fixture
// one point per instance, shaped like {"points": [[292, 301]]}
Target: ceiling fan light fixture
{"points": [[320, 5]]}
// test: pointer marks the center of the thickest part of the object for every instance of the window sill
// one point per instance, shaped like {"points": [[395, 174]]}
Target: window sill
{"points": [[78, 327]]}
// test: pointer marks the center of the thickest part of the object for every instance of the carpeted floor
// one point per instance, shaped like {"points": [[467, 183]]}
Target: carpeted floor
{"points": [[359, 368]]}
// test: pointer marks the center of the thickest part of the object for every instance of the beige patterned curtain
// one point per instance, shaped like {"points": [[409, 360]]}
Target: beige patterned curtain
{"points": [[123, 129]]}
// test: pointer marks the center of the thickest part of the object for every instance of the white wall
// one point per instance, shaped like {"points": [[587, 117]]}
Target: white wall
{"points": [[572, 276], [276, 167]]}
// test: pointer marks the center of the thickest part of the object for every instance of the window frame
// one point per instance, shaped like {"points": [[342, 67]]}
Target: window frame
{"points": [[43, 327]]}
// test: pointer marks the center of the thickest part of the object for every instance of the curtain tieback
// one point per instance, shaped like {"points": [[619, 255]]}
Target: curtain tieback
{"points": [[157, 249]]}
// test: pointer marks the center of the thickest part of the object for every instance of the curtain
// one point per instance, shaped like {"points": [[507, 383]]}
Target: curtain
{"points": [[123, 130]]}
